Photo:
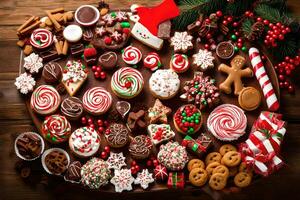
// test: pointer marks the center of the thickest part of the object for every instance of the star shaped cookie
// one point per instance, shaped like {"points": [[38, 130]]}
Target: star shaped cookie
{"points": [[158, 113]]}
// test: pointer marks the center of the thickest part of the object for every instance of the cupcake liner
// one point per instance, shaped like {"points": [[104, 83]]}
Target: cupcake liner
{"points": [[49, 151], [17, 150]]}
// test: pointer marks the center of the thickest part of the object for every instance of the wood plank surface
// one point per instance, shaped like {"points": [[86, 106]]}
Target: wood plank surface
{"points": [[14, 119]]}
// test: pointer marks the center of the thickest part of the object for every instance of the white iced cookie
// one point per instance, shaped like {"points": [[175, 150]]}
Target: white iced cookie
{"points": [[164, 84], [72, 33]]}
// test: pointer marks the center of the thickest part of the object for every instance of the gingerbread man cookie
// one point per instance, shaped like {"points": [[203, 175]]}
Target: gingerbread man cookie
{"points": [[235, 74]]}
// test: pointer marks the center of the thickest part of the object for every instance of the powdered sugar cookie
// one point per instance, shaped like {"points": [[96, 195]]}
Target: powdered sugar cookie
{"points": [[164, 84]]}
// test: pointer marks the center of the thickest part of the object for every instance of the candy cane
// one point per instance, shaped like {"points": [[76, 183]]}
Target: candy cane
{"points": [[264, 81]]}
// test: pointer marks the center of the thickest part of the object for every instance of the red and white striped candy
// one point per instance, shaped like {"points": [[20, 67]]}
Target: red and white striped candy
{"points": [[152, 61], [131, 55], [264, 81]]}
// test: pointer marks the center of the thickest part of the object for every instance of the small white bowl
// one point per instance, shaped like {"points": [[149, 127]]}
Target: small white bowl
{"points": [[49, 151], [17, 150], [89, 23]]}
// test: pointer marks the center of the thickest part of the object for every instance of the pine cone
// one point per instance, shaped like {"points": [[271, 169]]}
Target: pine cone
{"points": [[256, 31]]}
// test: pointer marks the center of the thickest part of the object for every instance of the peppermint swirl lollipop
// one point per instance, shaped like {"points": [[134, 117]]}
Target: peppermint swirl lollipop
{"points": [[131, 55], [152, 61], [56, 129], [127, 82], [41, 38], [45, 100], [227, 122], [179, 63], [84, 142], [96, 100]]}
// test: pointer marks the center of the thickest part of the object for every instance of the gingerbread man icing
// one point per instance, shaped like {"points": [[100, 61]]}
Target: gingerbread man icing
{"points": [[235, 74]]}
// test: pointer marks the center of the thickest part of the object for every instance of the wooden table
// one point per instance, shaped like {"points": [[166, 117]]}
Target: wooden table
{"points": [[14, 119]]}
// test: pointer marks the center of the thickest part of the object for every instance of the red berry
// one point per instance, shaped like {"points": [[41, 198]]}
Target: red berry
{"points": [[101, 129], [229, 19], [137, 168], [219, 13], [83, 120], [208, 20], [90, 120], [287, 29], [251, 14], [133, 171], [291, 89], [100, 122], [281, 37], [225, 22], [247, 13], [278, 24], [96, 74], [266, 22], [103, 154], [149, 163], [92, 126], [133, 163], [106, 123], [271, 25], [107, 149], [259, 19], [99, 69], [286, 84], [240, 45], [208, 36], [155, 162], [102, 75], [235, 24], [94, 68], [107, 132], [281, 77], [206, 46]]}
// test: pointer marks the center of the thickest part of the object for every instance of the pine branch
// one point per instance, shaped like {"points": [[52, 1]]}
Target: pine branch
{"points": [[239, 7], [288, 47], [190, 10], [247, 26], [273, 14]]}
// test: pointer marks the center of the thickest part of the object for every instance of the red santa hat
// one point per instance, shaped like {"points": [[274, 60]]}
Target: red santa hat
{"points": [[148, 19]]}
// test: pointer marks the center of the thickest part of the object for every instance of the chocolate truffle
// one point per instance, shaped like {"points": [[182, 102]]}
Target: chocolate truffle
{"points": [[117, 135], [140, 147], [108, 60], [52, 72]]}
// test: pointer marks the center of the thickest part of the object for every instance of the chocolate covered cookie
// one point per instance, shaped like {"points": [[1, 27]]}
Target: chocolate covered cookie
{"points": [[140, 147], [108, 60], [52, 72], [72, 108], [117, 135]]}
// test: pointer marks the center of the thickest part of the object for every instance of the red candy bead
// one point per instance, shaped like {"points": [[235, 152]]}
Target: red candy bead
{"points": [[99, 69], [94, 68], [103, 155], [127, 84], [149, 163], [90, 120], [155, 163], [100, 122], [107, 40], [83, 120], [137, 168], [101, 129], [133, 163], [107, 149]]}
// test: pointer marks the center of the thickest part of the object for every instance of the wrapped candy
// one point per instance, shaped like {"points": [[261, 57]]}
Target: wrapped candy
{"points": [[176, 180], [197, 146], [262, 147]]}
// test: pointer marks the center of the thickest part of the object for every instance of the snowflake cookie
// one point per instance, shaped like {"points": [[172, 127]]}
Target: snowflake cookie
{"points": [[122, 180], [33, 63], [116, 161], [25, 83], [203, 59], [181, 42], [144, 178]]}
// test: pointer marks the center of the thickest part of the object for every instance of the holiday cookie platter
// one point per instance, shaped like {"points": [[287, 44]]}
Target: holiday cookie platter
{"points": [[125, 103]]}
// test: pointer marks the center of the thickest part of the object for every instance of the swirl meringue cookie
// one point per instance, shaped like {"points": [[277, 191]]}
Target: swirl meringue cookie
{"points": [[164, 84], [45, 100], [227, 122], [84, 142], [96, 100], [127, 82]]}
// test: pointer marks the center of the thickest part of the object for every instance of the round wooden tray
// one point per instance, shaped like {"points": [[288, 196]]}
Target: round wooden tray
{"points": [[146, 99]]}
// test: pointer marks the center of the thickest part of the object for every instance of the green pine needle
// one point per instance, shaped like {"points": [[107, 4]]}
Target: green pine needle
{"points": [[238, 8], [288, 47], [247, 26]]}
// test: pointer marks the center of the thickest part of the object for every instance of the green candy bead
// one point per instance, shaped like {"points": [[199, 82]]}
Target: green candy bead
{"points": [[113, 14], [183, 114], [191, 129], [236, 49], [183, 121], [54, 139], [197, 121], [125, 24], [196, 86], [244, 49], [48, 136], [233, 37]]}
